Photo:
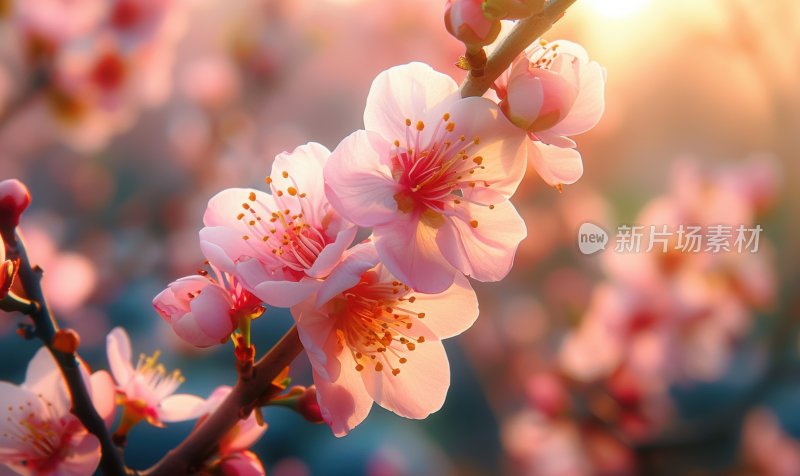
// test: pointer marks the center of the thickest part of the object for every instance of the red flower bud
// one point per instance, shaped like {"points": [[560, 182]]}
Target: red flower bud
{"points": [[14, 199], [308, 406]]}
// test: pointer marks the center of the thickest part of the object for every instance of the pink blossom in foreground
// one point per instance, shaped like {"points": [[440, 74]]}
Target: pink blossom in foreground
{"points": [[38, 434], [432, 174], [204, 310], [371, 338], [282, 245], [465, 20], [146, 391], [553, 91]]}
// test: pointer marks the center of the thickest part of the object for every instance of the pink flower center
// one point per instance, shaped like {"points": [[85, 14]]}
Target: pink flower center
{"points": [[434, 174], [375, 324], [291, 239], [45, 438]]}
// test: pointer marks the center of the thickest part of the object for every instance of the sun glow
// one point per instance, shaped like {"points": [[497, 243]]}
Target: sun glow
{"points": [[617, 9]]}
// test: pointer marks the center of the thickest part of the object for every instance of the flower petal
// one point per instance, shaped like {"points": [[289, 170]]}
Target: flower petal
{"points": [[223, 247], [358, 260], [555, 165], [180, 407], [358, 181], [405, 92], [286, 293], [83, 457], [332, 253], [421, 386], [104, 395], [316, 330], [481, 242], [344, 402], [451, 312], [303, 167], [118, 349], [410, 251], [589, 105]]}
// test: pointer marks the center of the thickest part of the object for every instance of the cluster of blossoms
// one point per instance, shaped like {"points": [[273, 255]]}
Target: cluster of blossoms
{"points": [[97, 62], [430, 176]]}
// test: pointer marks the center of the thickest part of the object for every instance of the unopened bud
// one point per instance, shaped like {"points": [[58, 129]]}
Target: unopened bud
{"points": [[465, 20], [308, 406], [14, 199]]}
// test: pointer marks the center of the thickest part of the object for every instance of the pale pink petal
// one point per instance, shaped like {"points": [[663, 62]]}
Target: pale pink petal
{"points": [[104, 395], [420, 387], [211, 313], [481, 242], [550, 138], [525, 99], [286, 293], [332, 253], [357, 260], [82, 459], [42, 373], [180, 407], [186, 328], [589, 105], [316, 330], [223, 247], [224, 207], [555, 165], [451, 312], [244, 435], [405, 92], [358, 181], [13, 397], [410, 251], [344, 403], [303, 167], [118, 348]]}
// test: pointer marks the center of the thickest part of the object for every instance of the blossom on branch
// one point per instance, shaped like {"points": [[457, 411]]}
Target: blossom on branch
{"points": [[371, 338], [432, 174], [39, 435], [146, 391], [553, 91], [204, 310], [281, 245]]}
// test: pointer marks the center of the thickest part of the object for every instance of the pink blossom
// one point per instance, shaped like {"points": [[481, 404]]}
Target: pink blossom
{"points": [[39, 434], [465, 20], [432, 174], [204, 310], [553, 91], [371, 338], [281, 244], [147, 390]]}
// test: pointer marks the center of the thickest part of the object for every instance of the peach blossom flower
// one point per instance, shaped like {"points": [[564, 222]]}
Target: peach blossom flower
{"points": [[280, 244], [39, 434], [147, 391], [553, 91], [371, 338], [204, 310], [432, 174]]}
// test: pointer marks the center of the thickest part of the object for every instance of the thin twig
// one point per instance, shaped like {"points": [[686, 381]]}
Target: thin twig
{"points": [[524, 33], [45, 329], [245, 396]]}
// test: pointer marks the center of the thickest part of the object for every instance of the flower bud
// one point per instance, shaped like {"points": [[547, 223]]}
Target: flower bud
{"points": [[308, 406], [198, 310], [66, 341], [465, 20], [537, 98], [8, 271], [511, 9], [14, 199]]}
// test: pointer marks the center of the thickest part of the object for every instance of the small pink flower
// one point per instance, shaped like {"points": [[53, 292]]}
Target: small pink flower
{"points": [[465, 20], [204, 310], [146, 391], [553, 91], [371, 338], [432, 174], [39, 435], [282, 244]]}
